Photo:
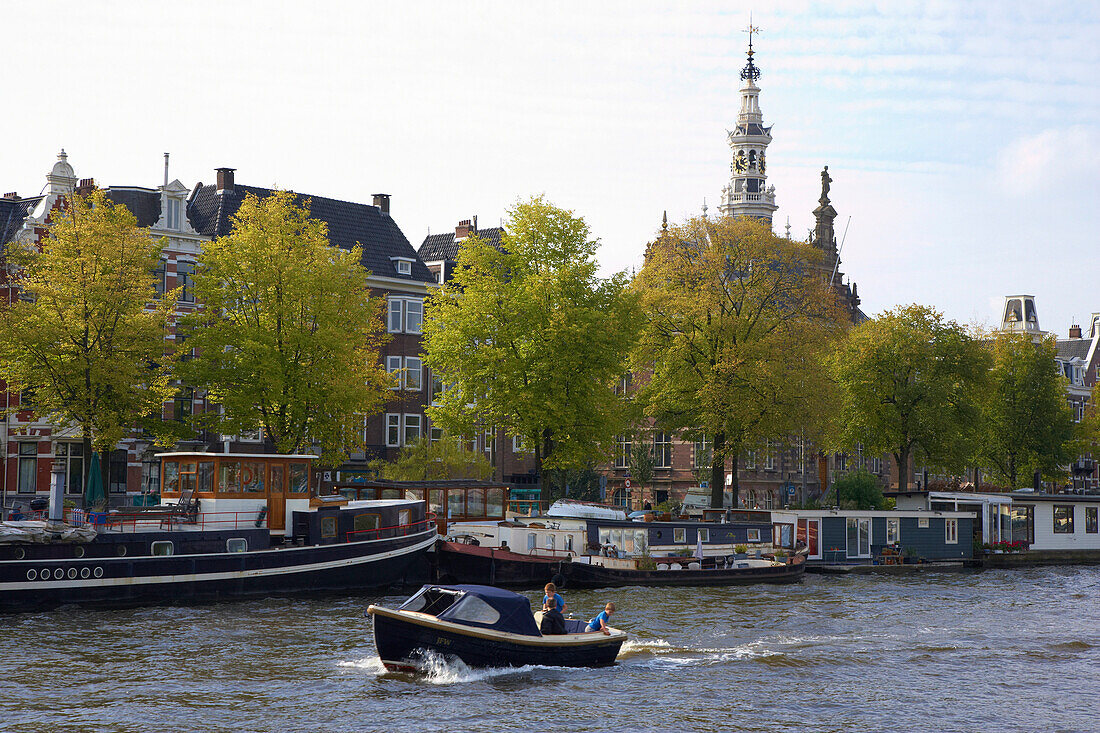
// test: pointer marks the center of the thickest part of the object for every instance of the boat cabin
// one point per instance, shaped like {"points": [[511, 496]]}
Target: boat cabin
{"points": [[476, 605], [232, 484], [459, 500]]}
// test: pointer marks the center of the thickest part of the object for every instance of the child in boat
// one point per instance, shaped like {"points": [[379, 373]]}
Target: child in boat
{"points": [[600, 622], [552, 598]]}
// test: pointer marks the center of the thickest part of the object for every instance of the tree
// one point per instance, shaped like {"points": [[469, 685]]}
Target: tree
{"points": [[859, 490], [86, 341], [288, 335], [910, 384], [642, 463], [530, 339], [426, 460], [737, 322], [1027, 422]]}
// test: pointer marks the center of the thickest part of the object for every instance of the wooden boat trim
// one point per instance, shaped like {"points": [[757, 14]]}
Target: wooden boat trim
{"points": [[555, 640]]}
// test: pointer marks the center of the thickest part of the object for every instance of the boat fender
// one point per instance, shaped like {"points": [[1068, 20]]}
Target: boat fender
{"points": [[261, 516], [558, 580]]}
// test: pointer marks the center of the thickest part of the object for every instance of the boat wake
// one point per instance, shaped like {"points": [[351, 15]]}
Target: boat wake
{"points": [[436, 669]]}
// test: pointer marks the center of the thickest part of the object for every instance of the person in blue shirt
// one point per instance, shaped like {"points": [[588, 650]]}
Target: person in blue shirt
{"points": [[552, 598], [600, 622]]}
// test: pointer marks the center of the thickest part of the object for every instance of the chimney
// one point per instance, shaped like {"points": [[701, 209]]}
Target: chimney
{"points": [[1075, 331], [225, 179], [12, 195], [475, 223], [463, 229], [382, 201], [85, 187]]}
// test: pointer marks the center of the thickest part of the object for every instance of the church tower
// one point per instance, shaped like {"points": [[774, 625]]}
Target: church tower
{"points": [[747, 193]]}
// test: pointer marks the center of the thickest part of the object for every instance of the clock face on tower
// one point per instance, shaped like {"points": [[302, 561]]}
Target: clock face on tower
{"points": [[739, 163], [761, 164]]}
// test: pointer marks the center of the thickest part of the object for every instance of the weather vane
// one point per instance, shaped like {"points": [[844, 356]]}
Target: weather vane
{"points": [[750, 72]]}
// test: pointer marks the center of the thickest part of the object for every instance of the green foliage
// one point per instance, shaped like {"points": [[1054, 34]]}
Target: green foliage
{"points": [[428, 461], [1027, 421], [910, 384], [583, 483], [288, 336], [737, 323], [642, 463], [531, 339], [89, 341], [859, 490]]}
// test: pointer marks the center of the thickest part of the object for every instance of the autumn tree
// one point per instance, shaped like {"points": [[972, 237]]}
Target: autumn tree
{"points": [[85, 343], [528, 338], [427, 460], [911, 384], [1027, 424], [287, 338], [737, 322]]}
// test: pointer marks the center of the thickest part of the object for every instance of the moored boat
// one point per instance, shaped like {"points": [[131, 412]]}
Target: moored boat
{"points": [[612, 572], [187, 551], [483, 627], [464, 562]]}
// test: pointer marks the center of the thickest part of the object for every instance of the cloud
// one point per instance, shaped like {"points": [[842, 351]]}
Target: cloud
{"points": [[1050, 160]]}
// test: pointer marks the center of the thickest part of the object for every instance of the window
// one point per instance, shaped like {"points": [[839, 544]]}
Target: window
{"points": [[229, 477], [519, 445], [404, 267], [435, 434], [163, 548], [472, 609], [393, 429], [704, 534], [662, 450], [183, 404], [893, 531], [1023, 523], [858, 536], [951, 531], [841, 461], [394, 313], [363, 522], [71, 456], [158, 277], [393, 368], [236, 544], [435, 388], [173, 214], [702, 452], [404, 315], [769, 456], [116, 473], [412, 429], [623, 445], [328, 527], [28, 468], [753, 535], [184, 271], [414, 315], [414, 373], [1090, 519], [750, 460], [494, 502], [1063, 519], [679, 535], [551, 542], [488, 440], [532, 538], [252, 477]]}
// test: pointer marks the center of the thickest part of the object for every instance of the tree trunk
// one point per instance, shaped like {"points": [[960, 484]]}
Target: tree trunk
{"points": [[736, 483], [717, 469], [1012, 471], [901, 457]]}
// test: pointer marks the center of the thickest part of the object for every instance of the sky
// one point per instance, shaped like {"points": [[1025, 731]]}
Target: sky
{"points": [[963, 138]]}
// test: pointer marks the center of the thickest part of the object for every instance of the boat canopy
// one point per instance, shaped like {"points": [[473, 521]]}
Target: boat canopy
{"points": [[476, 605]]}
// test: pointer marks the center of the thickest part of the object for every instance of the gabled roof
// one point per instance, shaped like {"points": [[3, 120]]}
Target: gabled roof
{"points": [[445, 246], [348, 223], [1074, 348]]}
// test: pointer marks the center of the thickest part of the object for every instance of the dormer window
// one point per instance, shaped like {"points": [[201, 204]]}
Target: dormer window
{"points": [[173, 214], [403, 265]]}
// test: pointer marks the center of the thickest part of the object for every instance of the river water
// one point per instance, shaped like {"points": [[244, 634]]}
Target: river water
{"points": [[997, 650]]}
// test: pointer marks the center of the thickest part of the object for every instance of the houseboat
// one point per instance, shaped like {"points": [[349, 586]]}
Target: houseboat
{"points": [[229, 526]]}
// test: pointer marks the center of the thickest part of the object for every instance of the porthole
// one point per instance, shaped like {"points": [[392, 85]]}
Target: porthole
{"points": [[78, 551], [85, 572], [20, 553], [44, 574], [32, 574], [121, 550], [72, 573], [58, 573], [98, 572], [163, 548]]}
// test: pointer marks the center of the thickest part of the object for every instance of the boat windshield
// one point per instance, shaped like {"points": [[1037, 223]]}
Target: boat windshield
{"points": [[432, 600]]}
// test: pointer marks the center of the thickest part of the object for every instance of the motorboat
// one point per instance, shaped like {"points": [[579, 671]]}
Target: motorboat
{"points": [[482, 626]]}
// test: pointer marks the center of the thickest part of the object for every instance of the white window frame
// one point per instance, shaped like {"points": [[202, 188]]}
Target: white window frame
{"points": [[662, 448], [623, 444], [893, 530], [414, 306], [411, 420], [393, 368], [172, 215], [750, 460], [752, 535], [679, 535], [769, 456], [951, 531], [412, 379], [395, 307], [519, 445], [393, 422], [704, 534]]}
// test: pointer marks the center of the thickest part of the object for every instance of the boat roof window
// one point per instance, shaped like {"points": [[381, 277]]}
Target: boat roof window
{"points": [[432, 601], [473, 610]]}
